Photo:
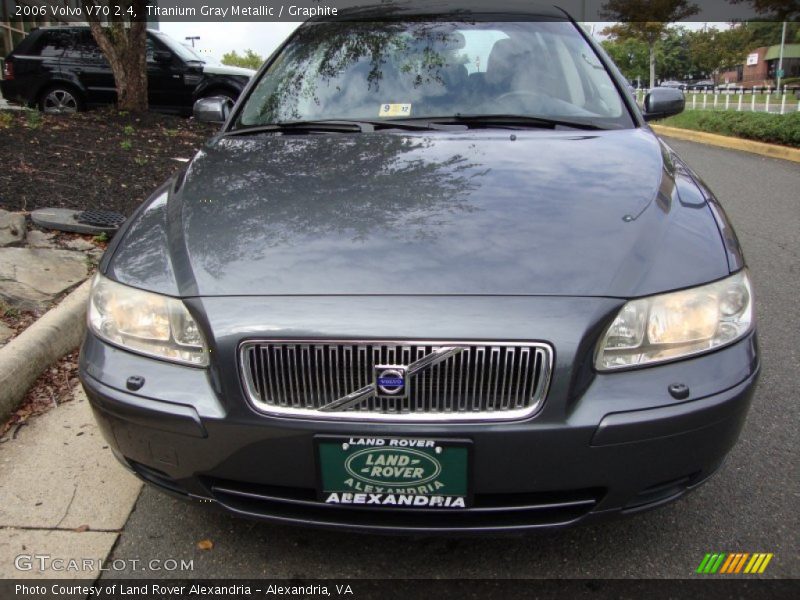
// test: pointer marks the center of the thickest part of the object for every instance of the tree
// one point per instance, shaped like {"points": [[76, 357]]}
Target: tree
{"points": [[630, 56], [768, 33], [774, 10], [645, 20], [249, 60], [713, 50], [672, 54], [122, 36]]}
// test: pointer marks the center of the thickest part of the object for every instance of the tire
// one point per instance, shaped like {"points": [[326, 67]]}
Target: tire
{"points": [[60, 100]]}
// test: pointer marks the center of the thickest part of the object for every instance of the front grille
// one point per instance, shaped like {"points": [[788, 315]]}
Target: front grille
{"points": [[336, 380]]}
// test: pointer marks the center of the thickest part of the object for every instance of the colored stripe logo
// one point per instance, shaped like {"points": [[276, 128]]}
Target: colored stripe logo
{"points": [[734, 562]]}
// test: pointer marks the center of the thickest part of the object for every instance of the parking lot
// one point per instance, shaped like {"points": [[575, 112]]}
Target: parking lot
{"points": [[751, 505]]}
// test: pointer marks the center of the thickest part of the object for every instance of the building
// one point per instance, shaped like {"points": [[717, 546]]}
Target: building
{"points": [[13, 28], [760, 69]]}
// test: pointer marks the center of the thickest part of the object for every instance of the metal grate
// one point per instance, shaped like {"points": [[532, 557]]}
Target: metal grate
{"points": [[444, 380], [100, 218]]}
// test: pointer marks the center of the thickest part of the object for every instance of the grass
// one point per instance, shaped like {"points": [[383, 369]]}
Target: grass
{"points": [[8, 311], [34, 119], [762, 127]]}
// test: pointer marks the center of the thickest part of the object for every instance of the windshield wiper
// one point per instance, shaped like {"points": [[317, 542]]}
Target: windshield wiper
{"points": [[513, 121], [335, 125], [343, 126]]}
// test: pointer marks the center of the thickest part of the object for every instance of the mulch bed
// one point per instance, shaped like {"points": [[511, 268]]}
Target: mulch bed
{"points": [[16, 320], [104, 159], [54, 387]]}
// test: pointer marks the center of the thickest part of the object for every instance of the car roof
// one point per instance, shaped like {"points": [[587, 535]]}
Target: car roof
{"points": [[408, 9]]}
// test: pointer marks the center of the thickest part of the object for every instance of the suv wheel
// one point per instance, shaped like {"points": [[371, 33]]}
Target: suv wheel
{"points": [[59, 100]]}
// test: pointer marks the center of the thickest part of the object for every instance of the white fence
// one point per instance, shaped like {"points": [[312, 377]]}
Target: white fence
{"points": [[738, 99]]}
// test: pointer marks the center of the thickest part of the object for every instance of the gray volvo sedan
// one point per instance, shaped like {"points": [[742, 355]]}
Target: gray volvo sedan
{"points": [[435, 273]]}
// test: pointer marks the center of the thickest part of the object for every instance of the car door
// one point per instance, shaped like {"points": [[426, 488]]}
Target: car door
{"points": [[83, 60], [170, 80]]}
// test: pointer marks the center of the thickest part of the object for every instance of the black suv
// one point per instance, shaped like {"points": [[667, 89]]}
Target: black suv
{"points": [[62, 69]]}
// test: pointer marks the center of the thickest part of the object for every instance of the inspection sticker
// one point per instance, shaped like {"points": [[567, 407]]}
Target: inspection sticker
{"points": [[395, 110]]}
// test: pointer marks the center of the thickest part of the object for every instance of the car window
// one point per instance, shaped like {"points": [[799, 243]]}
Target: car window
{"points": [[51, 44], [82, 46], [150, 49], [427, 69], [184, 53]]}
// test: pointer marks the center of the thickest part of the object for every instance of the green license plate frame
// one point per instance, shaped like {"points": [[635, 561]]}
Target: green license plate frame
{"points": [[394, 472]]}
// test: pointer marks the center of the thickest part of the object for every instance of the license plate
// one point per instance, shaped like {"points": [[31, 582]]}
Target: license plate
{"points": [[393, 472]]}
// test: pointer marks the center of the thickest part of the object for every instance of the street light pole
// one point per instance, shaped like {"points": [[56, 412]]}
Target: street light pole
{"points": [[780, 56], [192, 38]]}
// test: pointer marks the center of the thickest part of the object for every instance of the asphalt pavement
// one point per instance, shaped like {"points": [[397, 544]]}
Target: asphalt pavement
{"points": [[751, 505]]}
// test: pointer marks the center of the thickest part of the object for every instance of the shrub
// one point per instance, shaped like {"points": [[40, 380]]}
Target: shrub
{"points": [[762, 127], [34, 119]]}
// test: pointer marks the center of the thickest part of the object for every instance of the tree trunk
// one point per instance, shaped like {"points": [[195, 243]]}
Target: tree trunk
{"points": [[131, 82], [652, 65], [124, 46]]}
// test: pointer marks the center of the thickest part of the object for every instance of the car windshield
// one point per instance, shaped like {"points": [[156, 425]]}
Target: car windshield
{"points": [[184, 53], [394, 70]]}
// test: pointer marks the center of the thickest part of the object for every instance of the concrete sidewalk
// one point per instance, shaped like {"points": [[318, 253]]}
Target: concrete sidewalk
{"points": [[62, 494], [4, 105]]}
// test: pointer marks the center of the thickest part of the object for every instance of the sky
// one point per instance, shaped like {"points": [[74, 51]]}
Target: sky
{"points": [[218, 38]]}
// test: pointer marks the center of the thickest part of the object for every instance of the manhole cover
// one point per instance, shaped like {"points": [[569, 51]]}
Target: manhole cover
{"points": [[92, 222]]}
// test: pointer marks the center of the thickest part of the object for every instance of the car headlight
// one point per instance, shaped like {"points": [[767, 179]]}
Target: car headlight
{"points": [[145, 322], [678, 324]]}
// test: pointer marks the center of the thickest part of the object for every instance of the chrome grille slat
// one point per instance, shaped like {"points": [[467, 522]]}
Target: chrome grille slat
{"points": [[471, 381], [525, 358]]}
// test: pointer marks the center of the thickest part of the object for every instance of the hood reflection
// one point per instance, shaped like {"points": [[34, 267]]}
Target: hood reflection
{"points": [[548, 212]]}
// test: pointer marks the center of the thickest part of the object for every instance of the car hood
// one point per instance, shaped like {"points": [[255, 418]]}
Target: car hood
{"points": [[535, 212], [226, 70]]}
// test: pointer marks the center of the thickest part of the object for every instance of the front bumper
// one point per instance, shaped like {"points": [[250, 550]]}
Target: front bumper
{"points": [[619, 445]]}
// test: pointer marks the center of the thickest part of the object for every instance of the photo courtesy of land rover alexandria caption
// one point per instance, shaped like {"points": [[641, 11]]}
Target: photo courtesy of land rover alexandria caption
{"points": [[435, 273]]}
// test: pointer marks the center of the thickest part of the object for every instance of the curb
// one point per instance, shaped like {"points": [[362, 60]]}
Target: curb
{"points": [[58, 332], [724, 141]]}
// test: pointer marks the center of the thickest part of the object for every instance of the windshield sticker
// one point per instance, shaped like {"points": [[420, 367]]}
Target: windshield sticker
{"points": [[395, 110]]}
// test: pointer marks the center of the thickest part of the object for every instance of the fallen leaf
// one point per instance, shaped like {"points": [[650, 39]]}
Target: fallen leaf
{"points": [[81, 528], [205, 545]]}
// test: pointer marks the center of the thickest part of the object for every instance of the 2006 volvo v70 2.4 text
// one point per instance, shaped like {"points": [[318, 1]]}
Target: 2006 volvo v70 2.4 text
{"points": [[435, 273]]}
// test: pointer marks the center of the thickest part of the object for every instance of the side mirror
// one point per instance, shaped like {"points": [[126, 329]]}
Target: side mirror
{"points": [[663, 102], [162, 56], [214, 109]]}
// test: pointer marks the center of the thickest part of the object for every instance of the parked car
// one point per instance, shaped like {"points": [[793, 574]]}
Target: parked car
{"points": [[702, 85], [673, 84], [404, 291], [61, 70]]}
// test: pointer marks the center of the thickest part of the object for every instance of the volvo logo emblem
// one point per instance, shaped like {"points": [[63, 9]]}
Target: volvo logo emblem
{"points": [[390, 381]]}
